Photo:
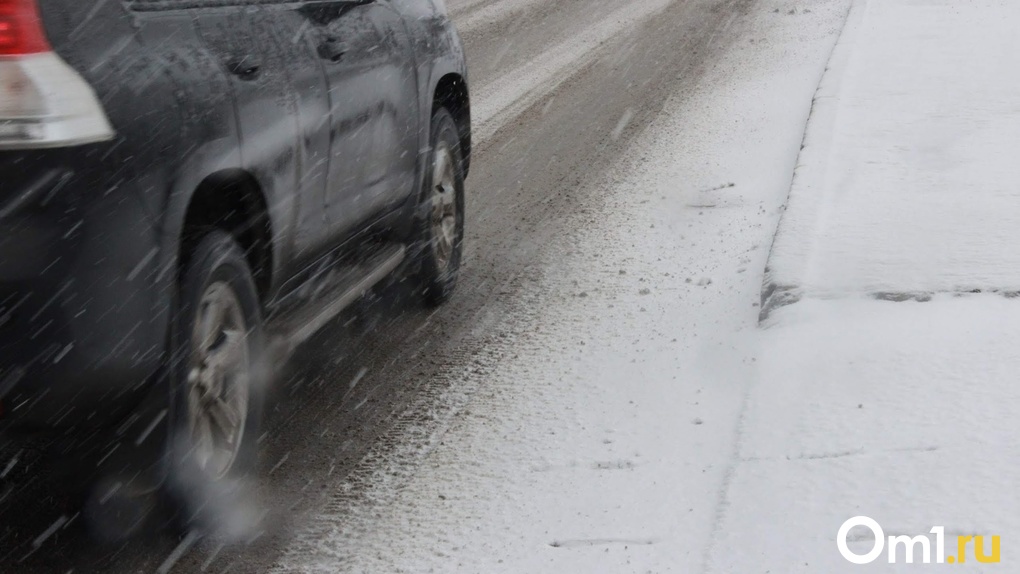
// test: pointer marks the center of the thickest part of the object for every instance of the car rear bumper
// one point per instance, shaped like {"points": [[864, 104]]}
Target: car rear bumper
{"points": [[81, 324]]}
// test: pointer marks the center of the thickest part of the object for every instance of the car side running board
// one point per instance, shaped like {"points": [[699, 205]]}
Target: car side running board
{"points": [[288, 332]]}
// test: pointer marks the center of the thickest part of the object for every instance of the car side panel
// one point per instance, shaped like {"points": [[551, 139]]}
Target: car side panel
{"points": [[369, 62], [288, 48]]}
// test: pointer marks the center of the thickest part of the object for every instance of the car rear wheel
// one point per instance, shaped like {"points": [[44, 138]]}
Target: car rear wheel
{"points": [[218, 387], [440, 222]]}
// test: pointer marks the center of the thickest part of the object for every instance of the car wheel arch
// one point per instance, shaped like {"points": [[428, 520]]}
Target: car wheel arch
{"points": [[230, 200], [451, 92]]}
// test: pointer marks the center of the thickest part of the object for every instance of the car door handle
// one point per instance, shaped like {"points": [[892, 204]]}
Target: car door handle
{"points": [[246, 68], [332, 50]]}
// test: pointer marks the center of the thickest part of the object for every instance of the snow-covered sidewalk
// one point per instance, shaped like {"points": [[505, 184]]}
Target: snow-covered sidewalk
{"points": [[908, 182], [886, 380]]}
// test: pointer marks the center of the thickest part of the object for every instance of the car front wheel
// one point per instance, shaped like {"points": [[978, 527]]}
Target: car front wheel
{"points": [[440, 231]]}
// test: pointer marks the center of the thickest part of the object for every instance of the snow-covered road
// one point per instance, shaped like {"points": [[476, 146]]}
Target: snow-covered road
{"points": [[636, 417], [518, 85], [369, 398], [603, 433]]}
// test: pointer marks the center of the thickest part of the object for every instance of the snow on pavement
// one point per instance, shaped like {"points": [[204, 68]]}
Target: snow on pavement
{"points": [[471, 16], [902, 412], [909, 174], [505, 98], [604, 433], [862, 405]]}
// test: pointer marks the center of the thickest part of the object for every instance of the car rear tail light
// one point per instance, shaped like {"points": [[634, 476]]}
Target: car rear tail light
{"points": [[43, 101], [21, 28]]}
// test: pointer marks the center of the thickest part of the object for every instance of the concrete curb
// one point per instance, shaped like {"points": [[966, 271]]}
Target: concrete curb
{"points": [[781, 285]]}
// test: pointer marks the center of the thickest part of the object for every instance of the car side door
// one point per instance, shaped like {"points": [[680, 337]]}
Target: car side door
{"points": [[374, 114], [280, 94], [286, 34]]}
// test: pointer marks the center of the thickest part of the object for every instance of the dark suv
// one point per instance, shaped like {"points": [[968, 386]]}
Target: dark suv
{"points": [[185, 184]]}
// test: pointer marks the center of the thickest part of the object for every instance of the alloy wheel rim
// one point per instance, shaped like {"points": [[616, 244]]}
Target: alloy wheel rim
{"points": [[443, 217], [218, 379]]}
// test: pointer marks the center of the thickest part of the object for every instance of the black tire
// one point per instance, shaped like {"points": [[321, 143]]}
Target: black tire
{"points": [[216, 280], [438, 267]]}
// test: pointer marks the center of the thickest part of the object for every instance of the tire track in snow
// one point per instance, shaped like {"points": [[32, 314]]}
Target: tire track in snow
{"points": [[397, 454], [459, 7], [480, 14], [502, 100]]}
